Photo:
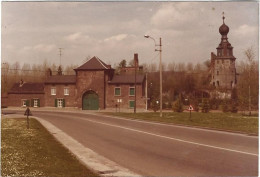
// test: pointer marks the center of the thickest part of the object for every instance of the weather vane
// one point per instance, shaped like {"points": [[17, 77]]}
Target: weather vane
{"points": [[223, 17]]}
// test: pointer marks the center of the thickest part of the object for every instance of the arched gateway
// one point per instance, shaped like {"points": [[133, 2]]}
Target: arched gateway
{"points": [[90, 101]]}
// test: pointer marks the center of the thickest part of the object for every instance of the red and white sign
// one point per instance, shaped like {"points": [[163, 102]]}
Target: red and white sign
{"points": [[190, 108]]}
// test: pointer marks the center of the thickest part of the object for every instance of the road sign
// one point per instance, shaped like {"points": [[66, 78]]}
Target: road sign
{"points": [[190, 108]]}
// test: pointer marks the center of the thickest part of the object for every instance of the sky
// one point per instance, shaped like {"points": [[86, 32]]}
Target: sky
{"points": [[34, 31]]}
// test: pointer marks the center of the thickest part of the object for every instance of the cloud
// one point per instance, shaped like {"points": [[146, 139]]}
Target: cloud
{"points": [[75, 37], [45, 47], [245, 30], [118, 37], [174, 15]]}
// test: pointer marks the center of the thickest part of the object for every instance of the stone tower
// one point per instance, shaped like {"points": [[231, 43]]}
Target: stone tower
{"points": [[223, 69]]}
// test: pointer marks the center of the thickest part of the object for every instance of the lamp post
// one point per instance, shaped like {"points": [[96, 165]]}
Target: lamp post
{"points": [[160, 66]]}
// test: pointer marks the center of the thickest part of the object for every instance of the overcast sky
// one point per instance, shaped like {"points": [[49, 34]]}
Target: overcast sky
{"points": [[112, 31]]}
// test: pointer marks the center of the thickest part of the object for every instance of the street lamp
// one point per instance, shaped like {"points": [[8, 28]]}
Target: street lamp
{"points": [[160, 50]]}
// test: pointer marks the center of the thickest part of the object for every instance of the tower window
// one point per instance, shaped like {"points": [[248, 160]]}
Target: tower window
{"points": [[218, 84], [217, 72]]}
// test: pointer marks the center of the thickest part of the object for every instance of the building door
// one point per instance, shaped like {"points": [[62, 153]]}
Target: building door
{"points": [[90, 101]]}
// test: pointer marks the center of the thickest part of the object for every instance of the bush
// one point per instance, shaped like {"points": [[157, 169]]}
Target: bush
{"points": [[177, 107], [170, 105], [205, 105], [155, 106], [224, 105], [196, 105], [234, 106], [164, 105]]}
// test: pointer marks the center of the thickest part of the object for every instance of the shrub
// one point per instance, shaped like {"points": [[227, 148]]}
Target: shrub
{"points": [[177, 107], [164, 105], [234, 106], [205, 105], [224, 105], [196, 105], [155, 106], [170, 105]]}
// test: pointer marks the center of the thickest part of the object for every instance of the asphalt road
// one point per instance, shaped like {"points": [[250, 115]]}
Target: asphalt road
{"points": [[153, 149]]}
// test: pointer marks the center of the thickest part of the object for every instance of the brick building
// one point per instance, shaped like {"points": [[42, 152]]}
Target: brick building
{"points": [[94, 86]]}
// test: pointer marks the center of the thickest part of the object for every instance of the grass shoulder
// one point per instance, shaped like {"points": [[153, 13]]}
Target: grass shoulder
{"points": [[222, 121], [35, 152]]}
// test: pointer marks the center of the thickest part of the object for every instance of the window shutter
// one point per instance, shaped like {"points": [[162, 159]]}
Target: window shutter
{"points": [[55, 103], [63, 102], [27, 102], [38, 103], [32, 103]]}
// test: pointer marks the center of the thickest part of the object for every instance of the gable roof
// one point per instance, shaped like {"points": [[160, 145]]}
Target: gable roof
{"points": [[94, 64], [127, 79], [27, 88], [61, 79]]}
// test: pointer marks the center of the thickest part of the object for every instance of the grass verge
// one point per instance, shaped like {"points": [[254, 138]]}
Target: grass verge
{"points": [[222, 121], [35, 152]]}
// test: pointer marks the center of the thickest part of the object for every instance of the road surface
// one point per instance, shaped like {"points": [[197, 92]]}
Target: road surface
{"points": [[154, 149]]}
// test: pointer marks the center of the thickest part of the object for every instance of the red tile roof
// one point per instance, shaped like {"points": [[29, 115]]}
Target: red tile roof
{"points": [[27, 88], [61, 79], [127, 79], [94, 64]]}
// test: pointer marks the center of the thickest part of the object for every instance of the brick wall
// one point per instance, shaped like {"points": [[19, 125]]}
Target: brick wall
{"points": [[16, 99], [125, 96], [69, 99], [90, 80]]}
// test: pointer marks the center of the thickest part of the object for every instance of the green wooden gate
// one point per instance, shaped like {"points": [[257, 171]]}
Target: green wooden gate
{"points": [[90, 101]]}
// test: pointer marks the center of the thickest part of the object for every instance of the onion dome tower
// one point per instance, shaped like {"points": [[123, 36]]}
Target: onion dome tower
{"points": [[223, 70]]}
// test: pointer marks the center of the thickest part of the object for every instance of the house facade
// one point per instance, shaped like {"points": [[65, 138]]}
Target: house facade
{"points": [[94, 86]]}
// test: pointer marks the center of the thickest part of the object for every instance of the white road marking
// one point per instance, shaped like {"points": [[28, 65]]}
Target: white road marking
{"points": [[166, 137]]}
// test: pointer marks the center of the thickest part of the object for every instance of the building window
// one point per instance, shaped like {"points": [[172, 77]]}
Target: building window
{"points": [[217, 72], [218, 84], [131, 91], [60, 102], [131, 104], [117, 91], [25, 103], [66, 91], [53, 91], [35, 103]]}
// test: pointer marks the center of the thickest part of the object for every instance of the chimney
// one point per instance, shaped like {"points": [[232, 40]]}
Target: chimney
{"points": [[136, 60], [21, 83], [48, 72]]}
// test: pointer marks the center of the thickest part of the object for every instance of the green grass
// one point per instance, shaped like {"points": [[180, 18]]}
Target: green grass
{"points": [[35, 152], [223, 121]]}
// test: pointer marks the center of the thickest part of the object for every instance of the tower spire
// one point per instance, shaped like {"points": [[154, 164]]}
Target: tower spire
{"points": [[223, 17]]}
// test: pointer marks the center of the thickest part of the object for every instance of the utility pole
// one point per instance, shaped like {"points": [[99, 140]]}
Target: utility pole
{"points": [[135, 84], [160, 50], [146, 100], [160, 76], [249, 91]]}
